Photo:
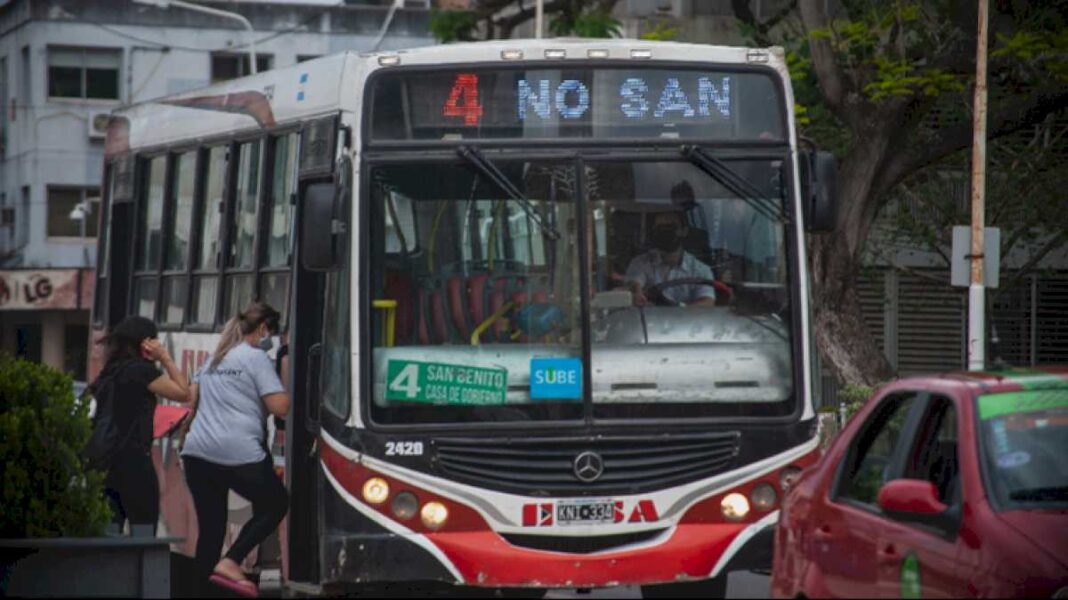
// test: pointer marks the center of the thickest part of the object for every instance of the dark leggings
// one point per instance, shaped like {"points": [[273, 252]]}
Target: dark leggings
{"points": [[132, 489], [210, 484]]}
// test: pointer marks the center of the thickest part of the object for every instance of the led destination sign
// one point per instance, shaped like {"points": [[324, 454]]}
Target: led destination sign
{"points": [[579, 103]]}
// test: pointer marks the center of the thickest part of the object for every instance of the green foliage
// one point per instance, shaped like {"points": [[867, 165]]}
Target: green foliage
{"points": [[888, 45], [854, 397], [1025, 183], [453, 25], [587, 23], [44, 488], [1045, 52], [661, 32]]}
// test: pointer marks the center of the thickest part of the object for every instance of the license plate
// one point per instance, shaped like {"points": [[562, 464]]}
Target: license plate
{"points": [[585, 511]]}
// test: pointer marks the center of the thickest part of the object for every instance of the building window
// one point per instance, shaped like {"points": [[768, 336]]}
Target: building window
{"points": [[306, 57], [83, 73], [22, 230], [66, 204], [231, 66]]}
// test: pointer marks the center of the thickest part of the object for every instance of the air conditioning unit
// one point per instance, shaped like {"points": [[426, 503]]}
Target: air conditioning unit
{"points": [[98, 125], [659, 8]]}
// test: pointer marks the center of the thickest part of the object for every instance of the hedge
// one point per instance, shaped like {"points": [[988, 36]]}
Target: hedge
{"points": [[45, 490]]}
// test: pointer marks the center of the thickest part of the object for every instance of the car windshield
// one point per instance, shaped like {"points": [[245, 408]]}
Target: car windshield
{"points": [[1025, 440], [484, 295]]}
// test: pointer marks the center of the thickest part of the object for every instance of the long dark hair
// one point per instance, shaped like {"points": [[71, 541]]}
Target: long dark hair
{"points": [[243, 324], [123, 343]]}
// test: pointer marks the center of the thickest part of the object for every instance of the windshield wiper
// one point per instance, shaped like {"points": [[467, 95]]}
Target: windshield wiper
{"points": [[478, 160], [1059, 492], [735, 183]]}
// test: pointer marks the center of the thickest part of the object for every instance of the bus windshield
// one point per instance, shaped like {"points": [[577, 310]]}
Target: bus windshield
{"points": [[650, 290]]}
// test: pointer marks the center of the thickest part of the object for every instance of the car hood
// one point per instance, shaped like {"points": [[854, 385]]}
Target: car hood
{"points": [[1045, 528]]}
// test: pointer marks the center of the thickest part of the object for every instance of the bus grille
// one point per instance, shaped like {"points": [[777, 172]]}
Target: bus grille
{"points": [[546, 466], [587, 544]]}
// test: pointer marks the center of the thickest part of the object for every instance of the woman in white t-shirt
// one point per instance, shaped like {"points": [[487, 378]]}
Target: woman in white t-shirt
{"points": [[227, 448]]}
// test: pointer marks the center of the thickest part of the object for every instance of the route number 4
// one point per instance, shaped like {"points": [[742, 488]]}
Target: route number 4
{"points": [[407, 381], [466, 88]]}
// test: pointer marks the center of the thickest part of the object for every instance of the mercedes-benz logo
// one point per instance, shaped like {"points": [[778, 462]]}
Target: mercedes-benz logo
{"points": [[588, 466]]}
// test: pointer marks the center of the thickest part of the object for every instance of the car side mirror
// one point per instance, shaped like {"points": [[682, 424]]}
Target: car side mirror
{"points": [[819, 191], [911, 496], [915, 500], [319, 227]]}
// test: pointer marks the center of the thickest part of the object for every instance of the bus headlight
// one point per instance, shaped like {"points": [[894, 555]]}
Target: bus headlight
{"points": [[763, 496], [788, 477], [734, 506], [434, 515], [404, 505], [375, 490]]}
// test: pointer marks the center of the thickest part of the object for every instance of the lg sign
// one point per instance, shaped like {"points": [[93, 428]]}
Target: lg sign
{"points": [[29, 290]]}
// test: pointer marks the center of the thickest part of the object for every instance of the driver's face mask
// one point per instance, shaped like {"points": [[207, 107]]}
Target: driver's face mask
{"points": [[666, 238]]}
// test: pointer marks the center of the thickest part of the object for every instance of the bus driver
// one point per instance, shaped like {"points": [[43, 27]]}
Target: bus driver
{"points": [[668, 261]]}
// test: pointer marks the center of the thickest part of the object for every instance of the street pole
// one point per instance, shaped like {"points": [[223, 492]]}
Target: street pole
{"points": [[539, 17], [225, 14], [976, 289]]}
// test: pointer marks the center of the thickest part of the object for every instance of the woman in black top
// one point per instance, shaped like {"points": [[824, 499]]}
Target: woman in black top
{"points": [[131, 350]]}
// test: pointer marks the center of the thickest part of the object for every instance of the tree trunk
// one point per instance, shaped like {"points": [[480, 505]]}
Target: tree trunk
{"points": [[838, 323]]}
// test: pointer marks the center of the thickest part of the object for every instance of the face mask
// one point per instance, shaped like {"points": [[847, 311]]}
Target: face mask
{"points": [[266, 343], [665, 238]]}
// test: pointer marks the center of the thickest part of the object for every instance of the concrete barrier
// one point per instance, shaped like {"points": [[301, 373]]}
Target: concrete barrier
{"points": [[106, 567]]}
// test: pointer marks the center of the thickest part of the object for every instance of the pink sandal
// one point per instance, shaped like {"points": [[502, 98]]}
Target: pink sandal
{"points": [[242, 588]]}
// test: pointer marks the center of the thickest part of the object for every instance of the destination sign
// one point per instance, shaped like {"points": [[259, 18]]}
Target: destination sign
{"points": [[583, 103]]}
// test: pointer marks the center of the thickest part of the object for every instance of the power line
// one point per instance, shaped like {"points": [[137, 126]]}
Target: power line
{"points": [[301, 27]]}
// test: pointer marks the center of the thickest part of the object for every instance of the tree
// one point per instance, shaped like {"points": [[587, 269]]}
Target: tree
{"points": [[887, 86], [1025, 198], [497, 19]]}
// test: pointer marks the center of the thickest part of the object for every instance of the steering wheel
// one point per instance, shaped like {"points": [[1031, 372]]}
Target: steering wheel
{"points": [[655, 292]]}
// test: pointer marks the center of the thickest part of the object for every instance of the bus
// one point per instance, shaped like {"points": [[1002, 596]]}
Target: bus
{"points": [[546, 302]]}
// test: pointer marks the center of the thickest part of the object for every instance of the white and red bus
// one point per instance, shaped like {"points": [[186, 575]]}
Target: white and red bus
{"points": [[507, 372]]}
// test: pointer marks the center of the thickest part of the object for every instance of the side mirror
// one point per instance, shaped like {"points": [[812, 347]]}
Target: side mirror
{"points": [[819, 191], [913, 498], [319, 227]]}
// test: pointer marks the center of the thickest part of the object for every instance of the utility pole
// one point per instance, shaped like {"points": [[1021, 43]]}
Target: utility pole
{"points": [[539, 17], [977, 289]]}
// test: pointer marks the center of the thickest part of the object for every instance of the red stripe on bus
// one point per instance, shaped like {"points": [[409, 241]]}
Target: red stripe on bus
{"points": [[484, 558]]}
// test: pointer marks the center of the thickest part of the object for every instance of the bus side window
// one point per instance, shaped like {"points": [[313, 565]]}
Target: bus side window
{"points": [[277, 238], [205, 265], [239, 278], [149, 236]]}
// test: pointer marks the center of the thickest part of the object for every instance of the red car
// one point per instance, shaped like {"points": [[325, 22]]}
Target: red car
{"points": [[946, 486]]}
